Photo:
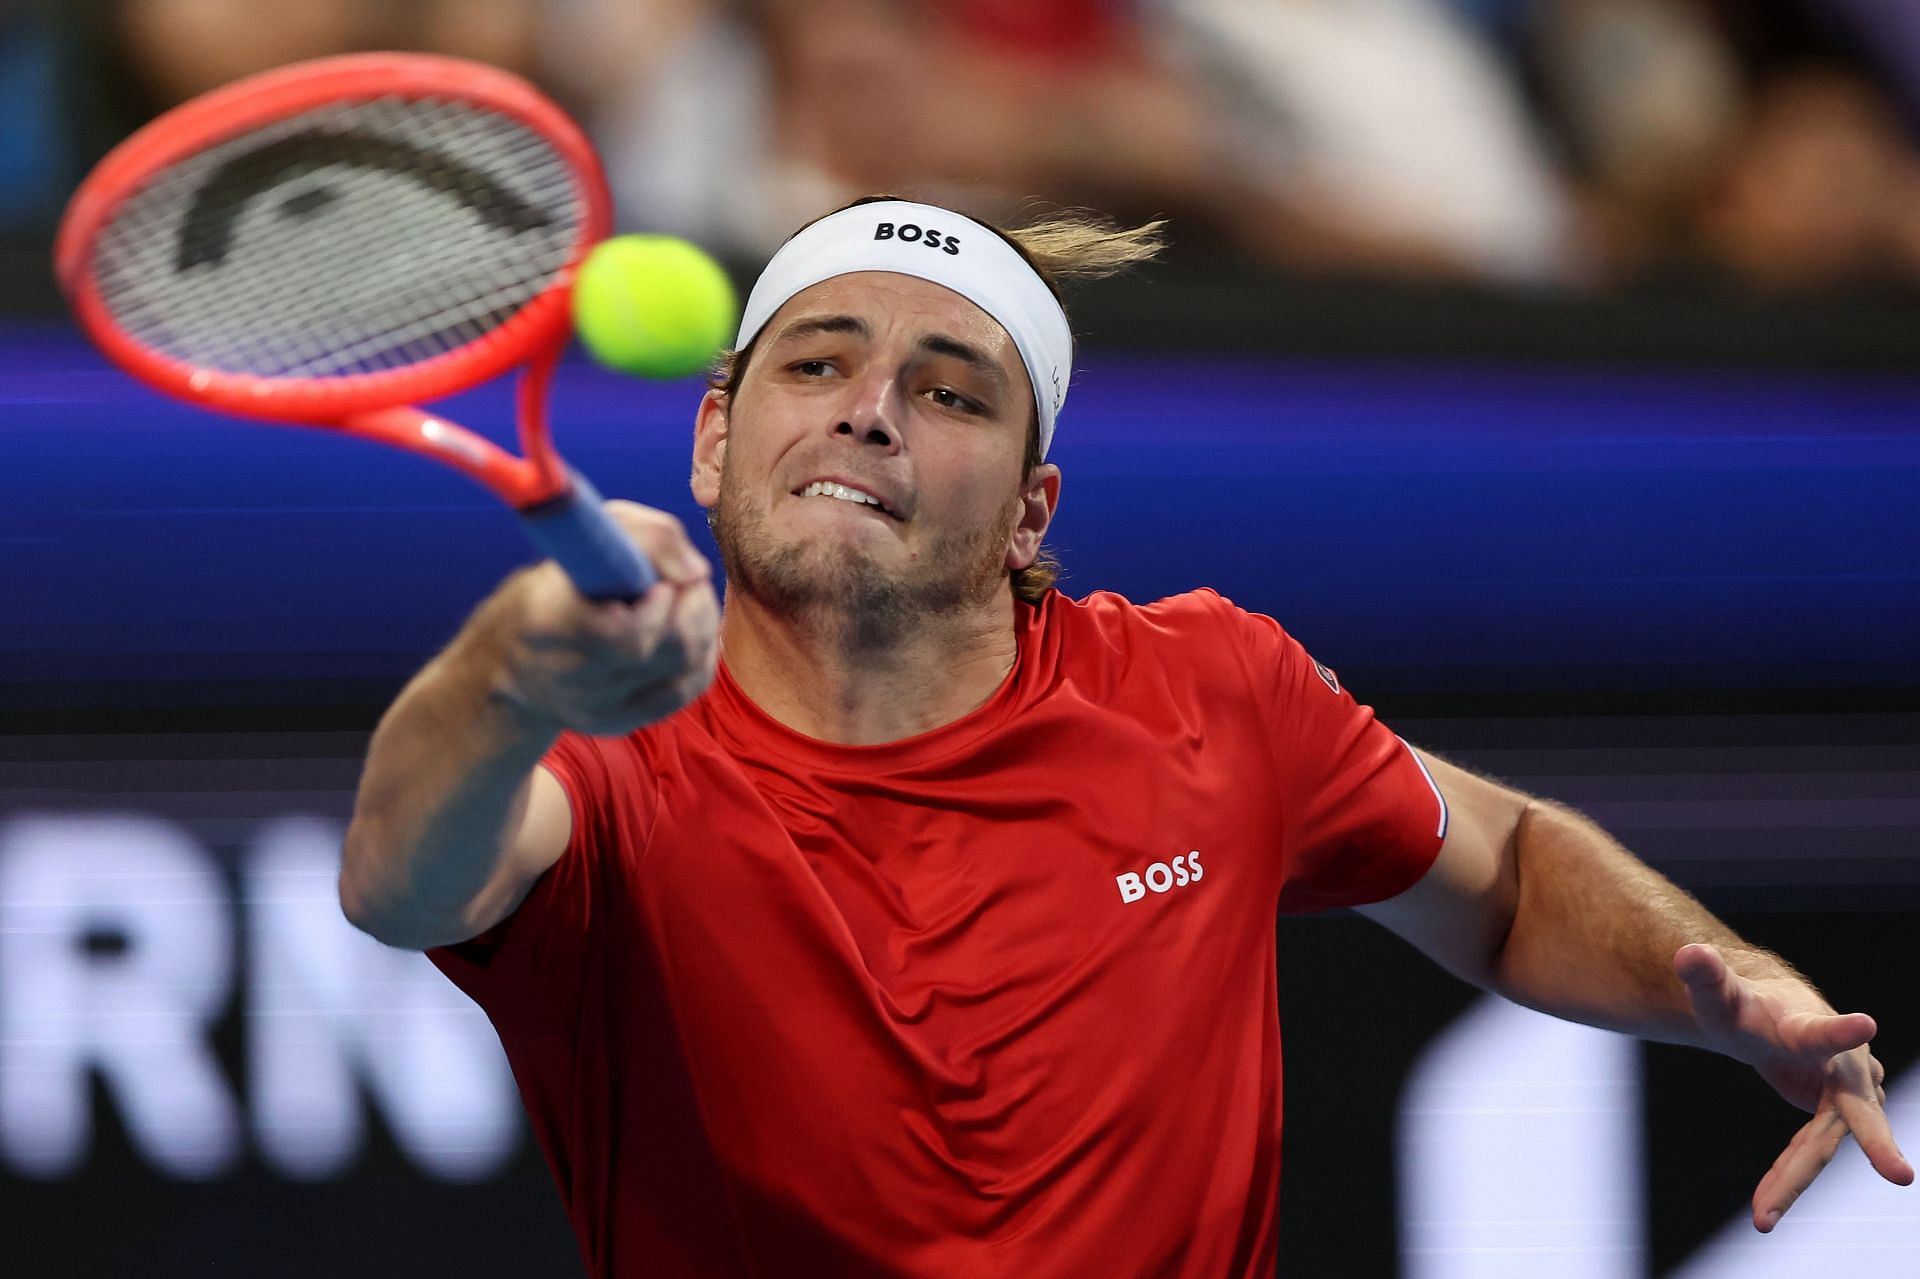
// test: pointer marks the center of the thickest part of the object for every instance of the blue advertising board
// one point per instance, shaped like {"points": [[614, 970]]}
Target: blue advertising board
{"points": [[1453, 528]]}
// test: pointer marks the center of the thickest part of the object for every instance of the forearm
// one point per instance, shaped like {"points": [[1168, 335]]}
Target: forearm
{"points": [[455, 822], [446, 782], [1595, 931]]}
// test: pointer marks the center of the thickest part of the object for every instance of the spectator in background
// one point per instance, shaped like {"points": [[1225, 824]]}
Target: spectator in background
{"points": [[1889, 31], [1648, 101], [676, 95], [983, 104], [1822, 190], [1359, 136], [128, 60], [732, 122], [1748, 139], [180, 48], [1384, 123], [1308, 133]]}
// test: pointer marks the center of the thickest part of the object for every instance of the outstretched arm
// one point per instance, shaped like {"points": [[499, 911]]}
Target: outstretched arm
{"points": [[454, 821], [1537, 903]]}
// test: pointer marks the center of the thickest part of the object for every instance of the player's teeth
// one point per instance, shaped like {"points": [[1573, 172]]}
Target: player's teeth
{"points": [[827, 488]]}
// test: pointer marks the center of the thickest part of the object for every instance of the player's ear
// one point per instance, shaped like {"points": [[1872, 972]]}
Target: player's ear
{"points": [[1038, 500], [710, 426]]}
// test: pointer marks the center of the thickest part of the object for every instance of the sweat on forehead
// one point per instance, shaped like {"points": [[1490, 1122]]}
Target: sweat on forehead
{"points": [[944, 248]]}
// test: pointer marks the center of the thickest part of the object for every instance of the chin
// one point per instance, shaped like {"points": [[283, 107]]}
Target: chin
{"points": [[869, 591]]}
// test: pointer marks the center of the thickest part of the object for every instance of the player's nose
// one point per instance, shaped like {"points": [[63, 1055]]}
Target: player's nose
{"points": [[871, 414]]}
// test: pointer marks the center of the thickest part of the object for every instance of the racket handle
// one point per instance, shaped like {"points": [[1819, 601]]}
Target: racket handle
{"points": [[575, 531]]}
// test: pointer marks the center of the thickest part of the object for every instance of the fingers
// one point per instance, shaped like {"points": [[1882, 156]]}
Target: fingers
{"points": [[609, 667], [669, 629], [642, 619], [1866, 1118], [1812, 1050], [1725, 1003], [1855, 1103], [1713, 989], [1820, 1035], [1810, 1151], [1699, 964], [663, 540], [1705, 974], [687, 657], [674, 636]]}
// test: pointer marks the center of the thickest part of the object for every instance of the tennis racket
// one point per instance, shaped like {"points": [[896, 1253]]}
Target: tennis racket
{"points": [[336, 241]]}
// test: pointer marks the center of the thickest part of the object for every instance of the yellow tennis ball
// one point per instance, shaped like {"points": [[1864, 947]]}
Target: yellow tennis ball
{"points": [[653, 306]]}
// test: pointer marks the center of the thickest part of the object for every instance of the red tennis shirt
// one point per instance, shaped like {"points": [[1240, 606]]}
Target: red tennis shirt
{"points": [[998, 1000]]}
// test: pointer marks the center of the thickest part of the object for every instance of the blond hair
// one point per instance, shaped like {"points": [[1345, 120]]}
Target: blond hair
{"points": [[1062, 246]]}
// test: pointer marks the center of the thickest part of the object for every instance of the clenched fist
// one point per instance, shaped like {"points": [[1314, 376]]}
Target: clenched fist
{"points": [[607, 667]]}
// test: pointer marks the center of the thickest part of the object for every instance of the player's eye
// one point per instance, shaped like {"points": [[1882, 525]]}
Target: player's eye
{"points": [[948, 398], [812, 368]]}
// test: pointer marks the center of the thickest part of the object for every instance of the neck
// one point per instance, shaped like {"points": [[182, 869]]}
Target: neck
{"points": [[821, 679]]}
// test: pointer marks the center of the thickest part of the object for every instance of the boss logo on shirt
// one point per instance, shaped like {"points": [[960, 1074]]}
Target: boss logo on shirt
{"points": [[908, 233], [1160, 877]]}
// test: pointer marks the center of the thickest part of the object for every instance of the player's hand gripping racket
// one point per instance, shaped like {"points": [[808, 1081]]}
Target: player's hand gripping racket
{"points": [[335, 241]]}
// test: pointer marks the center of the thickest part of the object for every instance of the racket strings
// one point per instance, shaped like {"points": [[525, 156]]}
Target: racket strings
{"points": [[354, 239]]}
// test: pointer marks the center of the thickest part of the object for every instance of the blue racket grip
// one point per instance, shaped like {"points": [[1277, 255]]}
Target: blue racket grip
{"points": [[575, 531]]}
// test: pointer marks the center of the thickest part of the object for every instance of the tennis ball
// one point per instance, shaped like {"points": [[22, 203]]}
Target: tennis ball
{"points": [[653, 306]]}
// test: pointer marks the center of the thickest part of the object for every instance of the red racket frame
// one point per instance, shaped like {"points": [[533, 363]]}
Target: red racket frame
{"points": [[373, 406]]}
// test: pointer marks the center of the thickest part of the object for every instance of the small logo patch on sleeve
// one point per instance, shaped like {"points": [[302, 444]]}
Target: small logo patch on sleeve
{"points": [[1326, 673]]}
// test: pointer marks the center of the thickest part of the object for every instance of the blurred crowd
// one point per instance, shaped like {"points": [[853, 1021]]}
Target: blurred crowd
{"points": [[1591, 144]]}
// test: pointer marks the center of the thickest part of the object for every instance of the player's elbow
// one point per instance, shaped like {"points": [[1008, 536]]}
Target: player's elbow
{"points": [[359, 901], [370, 906]]}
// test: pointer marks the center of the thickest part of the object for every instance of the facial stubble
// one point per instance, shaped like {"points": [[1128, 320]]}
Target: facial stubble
{"points": [[842, 588]]}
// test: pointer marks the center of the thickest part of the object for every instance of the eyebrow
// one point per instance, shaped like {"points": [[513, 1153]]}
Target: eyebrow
{"points": [[824, 324], [934, 343], [971, 356]]}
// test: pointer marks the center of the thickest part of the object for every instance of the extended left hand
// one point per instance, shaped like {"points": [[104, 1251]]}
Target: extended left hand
{"points": [[1814, 1057]]}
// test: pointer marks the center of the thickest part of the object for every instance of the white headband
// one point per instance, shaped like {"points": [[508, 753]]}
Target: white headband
{"points": [[941, 246]]}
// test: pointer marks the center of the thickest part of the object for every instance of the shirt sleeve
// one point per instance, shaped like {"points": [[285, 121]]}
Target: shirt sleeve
{"points": [[1361, 818], [529, 970]]}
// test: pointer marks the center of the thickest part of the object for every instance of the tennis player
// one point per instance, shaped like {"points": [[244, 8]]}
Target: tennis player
{"points": [[931, 932]]}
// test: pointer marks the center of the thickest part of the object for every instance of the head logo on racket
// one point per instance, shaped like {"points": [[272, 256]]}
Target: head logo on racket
{"points": [[333, 242]]}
